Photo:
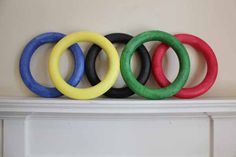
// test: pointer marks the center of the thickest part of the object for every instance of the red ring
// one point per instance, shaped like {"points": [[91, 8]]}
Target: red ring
{"points": [[201, 46]]}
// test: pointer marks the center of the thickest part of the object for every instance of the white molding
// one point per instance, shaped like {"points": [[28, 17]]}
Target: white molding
{"points": [[27, 106]]}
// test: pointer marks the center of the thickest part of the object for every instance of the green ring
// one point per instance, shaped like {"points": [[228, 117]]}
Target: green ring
{"points": [[147, 92]]}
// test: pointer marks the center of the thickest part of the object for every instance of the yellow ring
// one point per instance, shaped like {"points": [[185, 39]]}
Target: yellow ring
{"points": [[91, 92]]}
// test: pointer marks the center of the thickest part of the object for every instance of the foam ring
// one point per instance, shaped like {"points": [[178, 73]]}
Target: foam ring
{"points": [[147, 92], [94, 91], [202, 47], [29, 50], [120, 38]]}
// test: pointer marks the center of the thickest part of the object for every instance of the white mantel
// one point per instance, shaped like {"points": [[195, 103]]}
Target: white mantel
{"points": [[211, 106], [39, 127]]}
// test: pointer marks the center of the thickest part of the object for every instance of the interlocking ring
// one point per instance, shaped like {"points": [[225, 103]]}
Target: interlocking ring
{"points": [[91, 92], [29, 50], [147, 92], [202, 47], [122, 39]]}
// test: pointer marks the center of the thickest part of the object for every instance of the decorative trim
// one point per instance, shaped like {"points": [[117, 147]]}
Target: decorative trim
{"points": [[116, 106]]}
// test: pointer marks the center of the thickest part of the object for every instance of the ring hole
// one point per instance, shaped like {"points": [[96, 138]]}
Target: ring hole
{"points": [[39, 65], [150, 46], [84, 81], [66, 65], [198, 66], [102, 65]]}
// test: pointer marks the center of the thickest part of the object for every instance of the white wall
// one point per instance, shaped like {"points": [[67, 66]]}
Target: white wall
{"points": [[212, 20]]}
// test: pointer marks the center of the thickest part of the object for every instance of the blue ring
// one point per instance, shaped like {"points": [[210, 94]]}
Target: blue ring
{"points": [[30, 48]]}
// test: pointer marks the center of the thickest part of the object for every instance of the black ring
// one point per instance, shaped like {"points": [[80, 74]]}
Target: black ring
{"points": [[91, 73]]}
